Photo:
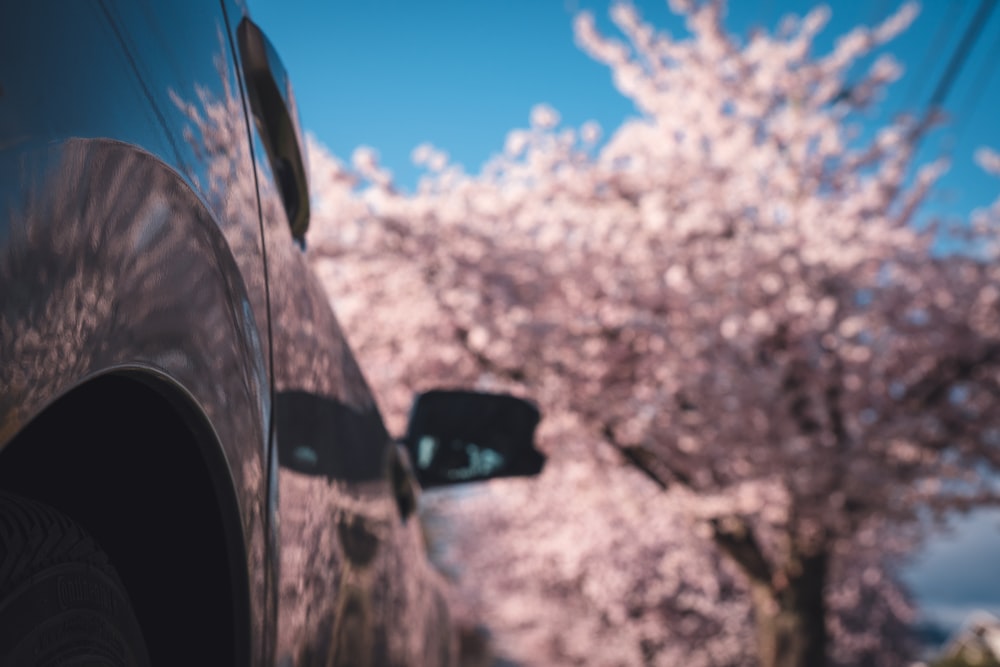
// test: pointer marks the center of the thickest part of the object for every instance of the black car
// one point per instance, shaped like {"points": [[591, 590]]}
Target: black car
{"points": [[192, 467]]}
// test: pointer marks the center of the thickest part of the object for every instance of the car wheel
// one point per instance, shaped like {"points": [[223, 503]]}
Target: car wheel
{"points": [[61, 602]]}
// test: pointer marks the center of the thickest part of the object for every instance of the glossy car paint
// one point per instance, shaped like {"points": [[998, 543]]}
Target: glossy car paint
{"points": [[142, 234], [355, 586]]}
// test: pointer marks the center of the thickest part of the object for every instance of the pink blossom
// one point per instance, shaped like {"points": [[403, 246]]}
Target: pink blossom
{"points": [[729, 295]]}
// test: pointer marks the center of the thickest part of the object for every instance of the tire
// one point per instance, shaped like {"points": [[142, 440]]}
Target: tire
{"points": [[61, 602]]}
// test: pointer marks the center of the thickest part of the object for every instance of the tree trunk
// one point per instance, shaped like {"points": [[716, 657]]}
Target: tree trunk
{"points": [[790, 615]]}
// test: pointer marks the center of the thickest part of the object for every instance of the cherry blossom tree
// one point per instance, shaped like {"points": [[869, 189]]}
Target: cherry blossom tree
{"points": [[736, 295]]}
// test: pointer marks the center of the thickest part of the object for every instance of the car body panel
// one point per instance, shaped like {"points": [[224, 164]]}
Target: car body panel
{"points": [[356, 587], [130, 238]]}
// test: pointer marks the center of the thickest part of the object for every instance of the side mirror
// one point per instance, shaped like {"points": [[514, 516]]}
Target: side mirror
{"points": [[273, 105], [461, 436]]}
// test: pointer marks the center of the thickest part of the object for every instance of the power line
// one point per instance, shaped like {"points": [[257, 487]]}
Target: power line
{"points": [[954, 68], [932, 54], [986, 71], [958, 58]]}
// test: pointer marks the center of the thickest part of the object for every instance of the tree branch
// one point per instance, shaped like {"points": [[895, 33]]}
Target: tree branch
{"points": [[654, 467], [735, 537]]}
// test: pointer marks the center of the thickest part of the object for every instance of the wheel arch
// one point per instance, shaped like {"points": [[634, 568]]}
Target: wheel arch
{"points": [[129, 456]]}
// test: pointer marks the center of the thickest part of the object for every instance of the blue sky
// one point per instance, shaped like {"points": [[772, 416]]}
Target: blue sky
{"points": [[391, 74], [460, 74]]}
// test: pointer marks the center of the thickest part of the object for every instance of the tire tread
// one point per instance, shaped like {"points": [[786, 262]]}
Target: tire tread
{"points": [[34, 537]]}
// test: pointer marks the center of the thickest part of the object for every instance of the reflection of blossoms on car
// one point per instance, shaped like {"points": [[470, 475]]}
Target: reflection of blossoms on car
{"points": [[112, 229], [334, 601]]}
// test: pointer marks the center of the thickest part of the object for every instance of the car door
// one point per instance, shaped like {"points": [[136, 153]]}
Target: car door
{"points": [[356, 588]]}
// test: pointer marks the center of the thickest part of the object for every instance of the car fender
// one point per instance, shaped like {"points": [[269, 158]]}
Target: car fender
{"points": [[110, 262]]}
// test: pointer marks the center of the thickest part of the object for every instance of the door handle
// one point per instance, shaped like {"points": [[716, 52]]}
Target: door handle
{"points": [[403, 480]]}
